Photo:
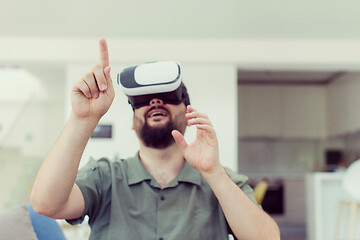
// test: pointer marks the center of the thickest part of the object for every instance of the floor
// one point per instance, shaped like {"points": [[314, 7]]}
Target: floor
{"points": [[292, 232], [293, 237]]}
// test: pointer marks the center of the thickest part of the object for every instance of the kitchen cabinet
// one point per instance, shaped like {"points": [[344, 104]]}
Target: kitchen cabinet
{"points": [[282, 111], [304, 112], [343, 100], [259, 111]]}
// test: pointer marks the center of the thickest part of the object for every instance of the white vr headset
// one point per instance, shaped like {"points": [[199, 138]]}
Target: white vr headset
{"points": [[162, 80]]}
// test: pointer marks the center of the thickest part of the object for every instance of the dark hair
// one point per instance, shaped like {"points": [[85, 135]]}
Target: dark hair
{"points": [[185, 95]]}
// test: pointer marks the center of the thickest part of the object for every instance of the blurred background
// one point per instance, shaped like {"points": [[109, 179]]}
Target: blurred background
{"points": [[279, 80]]}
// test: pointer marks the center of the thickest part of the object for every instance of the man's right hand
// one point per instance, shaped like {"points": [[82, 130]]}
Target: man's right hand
{"points": [[91, 97], [55, 193]]}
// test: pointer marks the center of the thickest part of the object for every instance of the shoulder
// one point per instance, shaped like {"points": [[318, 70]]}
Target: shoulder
{"points": [[104, 170], [105, 166], [237, 178], [242, 181], [102, 165]]}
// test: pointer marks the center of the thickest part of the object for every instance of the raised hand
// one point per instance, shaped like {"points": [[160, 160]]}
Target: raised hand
{"points": [[203, 153], [91, 97]]}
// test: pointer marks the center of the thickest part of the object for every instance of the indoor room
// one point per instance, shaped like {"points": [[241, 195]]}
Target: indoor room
{"points": [[279, 81]]}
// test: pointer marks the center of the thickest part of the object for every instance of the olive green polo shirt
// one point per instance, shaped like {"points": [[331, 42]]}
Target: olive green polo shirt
{"points": [[123, 201]]}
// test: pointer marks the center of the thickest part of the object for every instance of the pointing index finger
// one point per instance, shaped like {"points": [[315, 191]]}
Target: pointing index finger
{"points": [[104, 54]]}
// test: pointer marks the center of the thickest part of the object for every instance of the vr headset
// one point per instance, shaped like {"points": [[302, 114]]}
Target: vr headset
{"points": [[162, 80]]}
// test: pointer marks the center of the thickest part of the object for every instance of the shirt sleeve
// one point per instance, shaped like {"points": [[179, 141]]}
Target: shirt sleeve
{"points": [[242, 182], [93, 181]]}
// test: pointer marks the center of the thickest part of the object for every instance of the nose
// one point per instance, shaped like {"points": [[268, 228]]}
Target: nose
{"points": [[156, 102]]}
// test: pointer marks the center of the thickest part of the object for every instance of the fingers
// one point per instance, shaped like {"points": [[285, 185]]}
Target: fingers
{"points": [[92, 86], [100, 76], [97, 82], [104, 53], [107, 76], [83, 87], [179, 139], [104, 64], [92, 83], [201, 120], [193, 113]]}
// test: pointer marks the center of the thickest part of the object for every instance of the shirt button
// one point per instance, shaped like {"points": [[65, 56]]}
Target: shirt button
{"points": [[162, 198]]}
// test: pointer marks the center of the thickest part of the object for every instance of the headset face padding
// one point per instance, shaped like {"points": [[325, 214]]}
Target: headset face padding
{"points": [[162, 80]]}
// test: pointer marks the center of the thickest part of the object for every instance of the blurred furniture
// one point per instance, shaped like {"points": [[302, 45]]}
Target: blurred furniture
{"points": [[15, 224], [323, 191], [45, 228], [351, 183], [260, 191], [22, 223]]}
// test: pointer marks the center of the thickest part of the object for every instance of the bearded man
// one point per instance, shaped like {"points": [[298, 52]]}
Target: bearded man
{"points": [[169, 190]]}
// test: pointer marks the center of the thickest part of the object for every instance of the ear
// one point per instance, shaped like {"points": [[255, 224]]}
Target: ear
{"points": [[133, 122]]}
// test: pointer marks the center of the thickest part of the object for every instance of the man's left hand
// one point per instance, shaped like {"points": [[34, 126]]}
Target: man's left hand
{"points": [[203, 153]]}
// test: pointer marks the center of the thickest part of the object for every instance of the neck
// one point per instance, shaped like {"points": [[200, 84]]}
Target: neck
{"points": [[163, 164]]}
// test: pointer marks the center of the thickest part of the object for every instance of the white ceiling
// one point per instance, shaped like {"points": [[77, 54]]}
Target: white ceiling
{"points": [[194, 19], [295, 19]]}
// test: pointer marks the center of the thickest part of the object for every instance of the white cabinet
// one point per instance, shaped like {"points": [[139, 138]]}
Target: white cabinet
{"points": [[259, 111], [343, 97], [323, 193], [282, 111], [304, 112]]}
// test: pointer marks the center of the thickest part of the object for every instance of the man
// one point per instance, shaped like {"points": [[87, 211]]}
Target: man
{"points": [[169, 190]]}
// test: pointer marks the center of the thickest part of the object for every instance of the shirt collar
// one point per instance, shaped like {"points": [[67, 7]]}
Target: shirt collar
{"points": [[137, 173], [189, 174]]}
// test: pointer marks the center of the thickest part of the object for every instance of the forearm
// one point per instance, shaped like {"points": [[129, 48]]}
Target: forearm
{"points": [[57, 174], [245, 218]]}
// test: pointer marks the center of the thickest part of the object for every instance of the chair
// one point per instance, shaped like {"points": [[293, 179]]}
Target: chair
{"points": [[15, 224], [351, 183], [45, 228], [23, 223], [260, 191]]}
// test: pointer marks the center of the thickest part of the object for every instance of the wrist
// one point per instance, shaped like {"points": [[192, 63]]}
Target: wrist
{"points": [[84, 120], [83, 123], [214, 174]]}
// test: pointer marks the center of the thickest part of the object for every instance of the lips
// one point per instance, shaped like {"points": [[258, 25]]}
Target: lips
{"points": [[157, 112]]}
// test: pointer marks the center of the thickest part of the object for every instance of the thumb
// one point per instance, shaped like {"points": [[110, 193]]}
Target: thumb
{"points": [[180, 140], [107, 70]]}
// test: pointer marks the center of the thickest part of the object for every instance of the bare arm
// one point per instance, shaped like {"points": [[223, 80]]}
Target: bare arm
{"points": [[55, 193], [246, 219]]}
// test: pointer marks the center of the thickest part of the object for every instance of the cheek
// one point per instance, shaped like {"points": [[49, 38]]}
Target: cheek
{"points": [[181, 119], [137, 121]]}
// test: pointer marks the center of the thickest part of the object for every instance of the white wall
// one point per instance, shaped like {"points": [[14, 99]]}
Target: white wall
{"points": [[260, 54], [212, 90], [37, 126], [33, 129]]}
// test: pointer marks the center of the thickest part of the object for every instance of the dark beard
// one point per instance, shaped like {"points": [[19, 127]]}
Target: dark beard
{"points": [[157, 137]]}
